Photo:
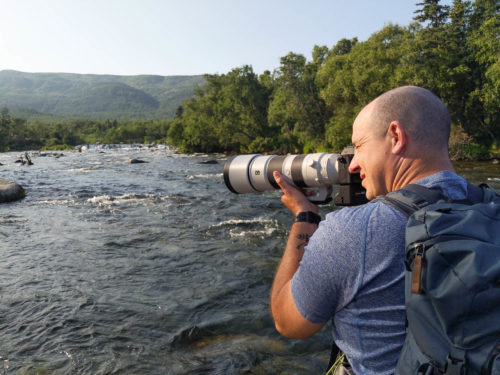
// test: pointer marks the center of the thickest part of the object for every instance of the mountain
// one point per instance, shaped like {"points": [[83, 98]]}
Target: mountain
{"points": [[95, 96]]}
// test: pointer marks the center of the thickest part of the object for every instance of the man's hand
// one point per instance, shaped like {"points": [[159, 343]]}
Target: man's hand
{"points": [[294, 199]]}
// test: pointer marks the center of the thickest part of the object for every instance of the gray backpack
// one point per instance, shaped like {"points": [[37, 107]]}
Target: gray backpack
{"points": [[452, 282]]}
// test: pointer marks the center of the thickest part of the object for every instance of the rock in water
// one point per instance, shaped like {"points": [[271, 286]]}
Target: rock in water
{"points": [[10, 191], [136, 161]]}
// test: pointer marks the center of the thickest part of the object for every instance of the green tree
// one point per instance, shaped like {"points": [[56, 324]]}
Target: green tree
{"points": [[175, 133], [179, 111], [296, 107], [427, 57], [457, 86], [350, 78], [433, 12], [5, 122], [343, 47], [227, 114], [484, 43], [319, 54]]}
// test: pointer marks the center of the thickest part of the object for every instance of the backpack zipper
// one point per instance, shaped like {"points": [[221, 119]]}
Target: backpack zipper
{"points": [[416, 254], [416, 280]]}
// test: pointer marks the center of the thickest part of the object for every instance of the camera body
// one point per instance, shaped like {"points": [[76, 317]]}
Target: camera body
{"points": [[319, 172], [351, 193]]}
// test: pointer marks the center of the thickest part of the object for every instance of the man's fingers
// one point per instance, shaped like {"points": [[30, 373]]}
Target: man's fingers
{"points": [[278, 177]]}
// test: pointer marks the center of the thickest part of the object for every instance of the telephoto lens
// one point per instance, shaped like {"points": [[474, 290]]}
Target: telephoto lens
{"points": [[254, 173]]}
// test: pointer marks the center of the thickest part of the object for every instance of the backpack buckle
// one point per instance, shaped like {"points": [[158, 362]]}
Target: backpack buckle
{"points": [[454, 366]]}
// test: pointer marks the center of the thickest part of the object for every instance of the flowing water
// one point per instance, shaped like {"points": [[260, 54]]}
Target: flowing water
{"points": [[108, 267]]}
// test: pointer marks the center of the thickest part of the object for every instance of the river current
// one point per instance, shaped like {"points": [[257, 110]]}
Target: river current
{"points": [[108, 267]]}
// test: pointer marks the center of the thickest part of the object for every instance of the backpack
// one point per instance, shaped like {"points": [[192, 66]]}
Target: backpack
{"points": [[452, 281]]}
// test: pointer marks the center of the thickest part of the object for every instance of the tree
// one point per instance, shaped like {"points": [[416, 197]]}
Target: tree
{"points": [[350, 79], [227, 114], [484, 43], [343, 47], [427, 56], [433, 12], [319, 54], [295, 106], [459, 67], [179, 112], [5, 122]]}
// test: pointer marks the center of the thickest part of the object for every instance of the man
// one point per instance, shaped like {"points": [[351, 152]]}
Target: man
{"points": [[350, 268]]}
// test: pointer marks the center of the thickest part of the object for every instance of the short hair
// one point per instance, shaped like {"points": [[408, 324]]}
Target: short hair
{"points": [[420, 112]]}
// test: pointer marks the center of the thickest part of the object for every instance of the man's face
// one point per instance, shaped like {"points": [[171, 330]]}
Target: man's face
{"points": [[372, 155]]}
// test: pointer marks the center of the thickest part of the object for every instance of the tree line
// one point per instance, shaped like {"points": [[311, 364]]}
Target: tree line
{"points": [[309, 105], [18, 134]]}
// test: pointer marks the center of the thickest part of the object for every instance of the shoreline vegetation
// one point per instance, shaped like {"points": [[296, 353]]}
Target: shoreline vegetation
{"points": [[309, 106]]}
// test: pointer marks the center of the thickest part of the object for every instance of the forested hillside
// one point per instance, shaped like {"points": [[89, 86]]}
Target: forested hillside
{"points": [[95, 96]]}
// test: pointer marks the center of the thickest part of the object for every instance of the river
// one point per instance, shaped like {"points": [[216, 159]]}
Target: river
{"points": [[155, 268]]}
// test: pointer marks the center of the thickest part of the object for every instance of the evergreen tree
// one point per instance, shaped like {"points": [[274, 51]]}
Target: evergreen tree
{"points": [[433, 12]]}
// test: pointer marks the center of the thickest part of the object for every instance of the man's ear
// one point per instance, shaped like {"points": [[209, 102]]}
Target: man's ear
{"points": [[397, 136]]}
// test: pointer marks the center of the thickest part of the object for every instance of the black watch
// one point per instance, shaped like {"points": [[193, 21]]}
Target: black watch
{"points": [[307, 217]]}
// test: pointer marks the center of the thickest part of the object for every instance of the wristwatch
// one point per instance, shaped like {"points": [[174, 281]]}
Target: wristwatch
{"points": [[307, 217]]}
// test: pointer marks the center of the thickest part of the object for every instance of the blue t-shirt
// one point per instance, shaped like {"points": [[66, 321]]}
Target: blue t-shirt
{"points": [[353, 272]]}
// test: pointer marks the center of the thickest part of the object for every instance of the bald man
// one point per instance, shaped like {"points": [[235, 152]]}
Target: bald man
{"points": [[350, 268]]}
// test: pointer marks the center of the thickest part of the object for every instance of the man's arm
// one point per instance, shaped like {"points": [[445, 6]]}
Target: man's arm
{"points": [[287, 318]]}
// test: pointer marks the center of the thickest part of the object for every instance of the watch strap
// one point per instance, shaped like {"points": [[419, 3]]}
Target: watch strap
{"points": [[307, 217]]}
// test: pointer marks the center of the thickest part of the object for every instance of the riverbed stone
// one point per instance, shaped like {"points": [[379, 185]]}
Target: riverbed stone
{"points": [[10, 191], [136, 161], [209, 162]]}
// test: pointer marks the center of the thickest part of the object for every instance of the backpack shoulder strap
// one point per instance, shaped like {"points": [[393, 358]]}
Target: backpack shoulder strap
{"points": [[411, 198], [427, 195]]}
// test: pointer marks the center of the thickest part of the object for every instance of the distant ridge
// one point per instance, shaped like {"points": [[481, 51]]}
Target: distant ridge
{"points": [[95, 96]]}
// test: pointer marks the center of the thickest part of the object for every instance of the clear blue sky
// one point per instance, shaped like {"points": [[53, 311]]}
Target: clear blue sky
{"points": [[180, 37]]}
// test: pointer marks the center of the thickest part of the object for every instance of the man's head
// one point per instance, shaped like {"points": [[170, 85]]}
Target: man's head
{"points": [[400, 136]]}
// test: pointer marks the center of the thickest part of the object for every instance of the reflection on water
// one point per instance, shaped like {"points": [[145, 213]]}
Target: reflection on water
{"points": [[155, 268]]}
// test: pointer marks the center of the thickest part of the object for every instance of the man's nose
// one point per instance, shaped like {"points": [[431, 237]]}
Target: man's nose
{"points": [[354, 165]]}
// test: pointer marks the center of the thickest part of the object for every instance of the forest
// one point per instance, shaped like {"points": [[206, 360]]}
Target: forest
{"points": [[309, 105]]}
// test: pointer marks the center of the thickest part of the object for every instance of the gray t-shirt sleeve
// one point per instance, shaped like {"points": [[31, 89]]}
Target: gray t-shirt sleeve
{"points": [[331, 270]]}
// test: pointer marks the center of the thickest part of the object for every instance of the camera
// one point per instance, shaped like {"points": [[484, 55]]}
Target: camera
{"points": [[318, 172]]}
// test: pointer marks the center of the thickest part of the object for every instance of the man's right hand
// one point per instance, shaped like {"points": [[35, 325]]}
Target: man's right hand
{"points": [[293, 198]]}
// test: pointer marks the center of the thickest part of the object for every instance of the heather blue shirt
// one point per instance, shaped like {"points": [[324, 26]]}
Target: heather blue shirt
{"points": [[353, 273]]}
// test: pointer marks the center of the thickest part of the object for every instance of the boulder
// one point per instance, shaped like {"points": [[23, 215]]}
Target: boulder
{"points": [[10, 191], [209, 162], [136, 161]]}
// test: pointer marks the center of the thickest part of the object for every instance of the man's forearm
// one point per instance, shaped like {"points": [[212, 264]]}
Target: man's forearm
{"points": [[294, 250]]}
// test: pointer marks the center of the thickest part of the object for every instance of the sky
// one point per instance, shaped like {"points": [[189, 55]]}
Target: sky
{"points": [[181, 37]]}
